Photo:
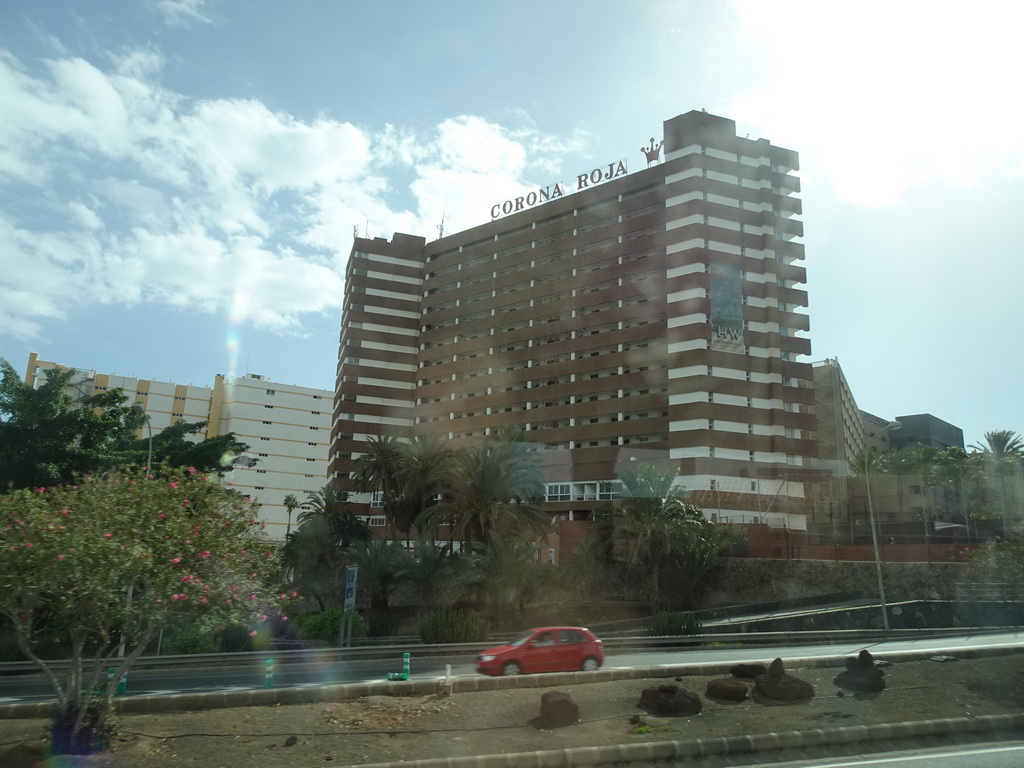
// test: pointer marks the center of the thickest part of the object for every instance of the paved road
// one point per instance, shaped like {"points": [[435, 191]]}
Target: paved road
{"points": [[307, 673]]}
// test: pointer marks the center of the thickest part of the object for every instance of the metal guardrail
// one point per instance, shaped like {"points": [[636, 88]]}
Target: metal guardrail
{"points": [[612, 644]]}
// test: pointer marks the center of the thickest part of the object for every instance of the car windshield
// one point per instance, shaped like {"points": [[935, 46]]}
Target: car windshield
{"points": [[521, 639]]}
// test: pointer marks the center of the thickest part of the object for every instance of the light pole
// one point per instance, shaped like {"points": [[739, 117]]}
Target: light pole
{"points": [[892, 426], [139, 408]]}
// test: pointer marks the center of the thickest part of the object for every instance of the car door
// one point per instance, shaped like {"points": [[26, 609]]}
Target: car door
{"points": [[568, 654], [540, 652]]}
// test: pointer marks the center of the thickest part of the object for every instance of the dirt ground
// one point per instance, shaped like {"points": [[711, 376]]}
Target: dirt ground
{"points": [[385, 729]]}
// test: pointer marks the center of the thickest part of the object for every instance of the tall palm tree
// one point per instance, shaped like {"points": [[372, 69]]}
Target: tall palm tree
{"points": [[959, 472], [379, 470], [290, 503], [331, 506], [427, 466], [1002, 453], [506, 572], [495, 486], [660, 535], [382, 568]]}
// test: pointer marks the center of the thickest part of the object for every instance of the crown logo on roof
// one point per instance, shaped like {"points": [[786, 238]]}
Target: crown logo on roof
{"points": [[652, 153]]}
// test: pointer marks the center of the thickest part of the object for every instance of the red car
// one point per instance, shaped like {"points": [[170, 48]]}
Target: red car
{"points": [[544, 649]]}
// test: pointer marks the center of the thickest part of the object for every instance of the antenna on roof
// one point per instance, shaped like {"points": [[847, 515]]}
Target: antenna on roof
{"points": [[442, 226], [355, 230]]}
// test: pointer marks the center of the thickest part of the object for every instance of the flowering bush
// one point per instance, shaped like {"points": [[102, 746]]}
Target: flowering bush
{"points": [[115, 559], [997, 561]]}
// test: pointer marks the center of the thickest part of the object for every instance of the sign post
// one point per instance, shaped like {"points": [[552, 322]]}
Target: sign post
{"points": [[350, 603]]}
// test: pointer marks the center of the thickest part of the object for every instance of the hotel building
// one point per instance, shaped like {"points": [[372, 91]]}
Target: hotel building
{"points": [[653, 316]]}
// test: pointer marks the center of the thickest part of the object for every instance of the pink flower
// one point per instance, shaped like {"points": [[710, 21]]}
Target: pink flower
{"points": [[60, 557], [263, 617], [175, 560], [202, 600], [284, 618], [251, 598], [107, 535], [163, 516], [253, 633], [191, 470], [172, 485], [29, 545], [295, 594], [185, 501], [131, 482], [186, 578], [149, 477], [204, 553]]}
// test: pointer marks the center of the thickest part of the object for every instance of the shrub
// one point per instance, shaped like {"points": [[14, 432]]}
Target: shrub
{"points": [[325, 627], [676, 623], [453, 625], [183, 638]]}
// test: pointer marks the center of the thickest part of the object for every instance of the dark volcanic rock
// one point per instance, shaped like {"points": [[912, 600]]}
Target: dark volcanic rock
{"points": [[727, 689], [670, 701], [778, 686], [748, 671], [557, 709], [861, 675]]}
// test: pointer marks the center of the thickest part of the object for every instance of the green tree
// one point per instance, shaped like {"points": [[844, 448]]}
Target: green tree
{"points": [[378, 470], [660, 538], [1002, 454], [344, 527], [958, 473], [495, 486], [506, 574], [115, 558], [172, 446], [290, 504], [48, 437], [314, 552], [382, 568]]}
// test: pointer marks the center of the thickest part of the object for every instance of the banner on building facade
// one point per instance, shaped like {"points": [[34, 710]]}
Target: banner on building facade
{"points": [[726, 307]]}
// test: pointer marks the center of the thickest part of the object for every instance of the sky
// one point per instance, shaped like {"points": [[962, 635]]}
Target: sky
{"points": [[180, 180]]}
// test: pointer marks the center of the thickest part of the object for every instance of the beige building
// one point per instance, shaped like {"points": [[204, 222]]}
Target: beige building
{"points": [[286, 427]]}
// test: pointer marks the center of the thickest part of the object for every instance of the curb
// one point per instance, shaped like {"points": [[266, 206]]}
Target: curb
{"points": [[646, 752], [255, 697], [725, 745]]}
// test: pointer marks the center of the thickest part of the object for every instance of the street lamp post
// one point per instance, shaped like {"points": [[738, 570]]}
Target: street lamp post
{"points": [[139, 408], [891, 427]]}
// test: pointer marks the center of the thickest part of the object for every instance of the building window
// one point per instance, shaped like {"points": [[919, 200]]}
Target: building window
{"points": [[261, 471], [558, 492], [310, 459], [264, 438], [271, 392], [377, 499], [268, 422], [258, 488], [265, 406]]}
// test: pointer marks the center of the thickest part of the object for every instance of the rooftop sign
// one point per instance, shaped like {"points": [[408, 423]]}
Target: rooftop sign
{"points": [[554, 191]]}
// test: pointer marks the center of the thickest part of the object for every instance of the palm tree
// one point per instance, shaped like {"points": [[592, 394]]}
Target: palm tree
{"points": [[379, 470], [958, 472], [382, 568], [432, 576], [505, 571], [495, 486], [331, 506], [660, 535], [1002, 452], [427, 466], [290, 503]]}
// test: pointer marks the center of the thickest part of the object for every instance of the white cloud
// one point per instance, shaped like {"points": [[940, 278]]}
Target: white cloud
{"points": [[123, 191], [181, 13]]}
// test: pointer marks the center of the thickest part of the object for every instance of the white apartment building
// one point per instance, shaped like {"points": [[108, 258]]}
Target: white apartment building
{"points": [[287, 428]]}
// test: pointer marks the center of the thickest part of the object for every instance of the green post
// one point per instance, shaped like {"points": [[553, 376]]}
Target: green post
{"points": [[268, 673], [122, 684], [404, 674]]}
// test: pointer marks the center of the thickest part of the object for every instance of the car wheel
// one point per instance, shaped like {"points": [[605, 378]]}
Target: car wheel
{"points": [[590, 664], [511, 669]]}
